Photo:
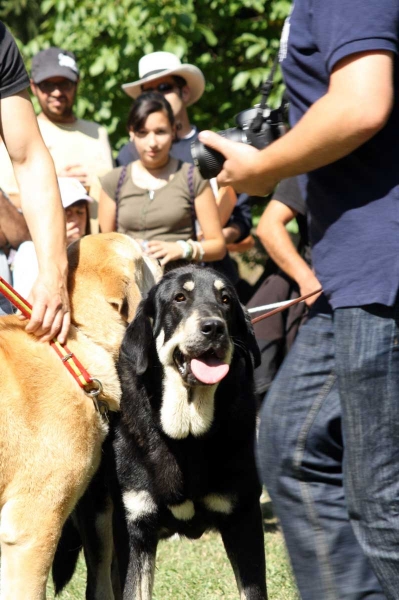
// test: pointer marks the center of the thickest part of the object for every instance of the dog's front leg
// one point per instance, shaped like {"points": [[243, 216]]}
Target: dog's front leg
{"points": [[136, 539], [242, 534], [138, 578], [140, 574]]}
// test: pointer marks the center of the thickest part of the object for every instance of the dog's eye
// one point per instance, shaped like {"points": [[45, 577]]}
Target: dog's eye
{"points": [[180, 297], [225, 299]]}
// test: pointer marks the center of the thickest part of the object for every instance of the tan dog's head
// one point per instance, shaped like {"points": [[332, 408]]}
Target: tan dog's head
{"points": [[108, 276]]}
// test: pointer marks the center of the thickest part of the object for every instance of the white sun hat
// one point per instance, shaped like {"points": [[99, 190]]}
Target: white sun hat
{"points": [[72, 191], [160, 64]]}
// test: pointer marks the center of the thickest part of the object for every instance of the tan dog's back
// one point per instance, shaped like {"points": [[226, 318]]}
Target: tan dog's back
{"points": [[50, 431]]}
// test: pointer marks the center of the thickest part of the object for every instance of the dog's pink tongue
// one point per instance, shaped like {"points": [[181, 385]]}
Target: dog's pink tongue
{"points": [[209, 370]]}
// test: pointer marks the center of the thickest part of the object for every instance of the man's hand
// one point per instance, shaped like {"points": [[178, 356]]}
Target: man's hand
{"points": [[309, 284], [241, 167], [50, 314], [77, 171]]}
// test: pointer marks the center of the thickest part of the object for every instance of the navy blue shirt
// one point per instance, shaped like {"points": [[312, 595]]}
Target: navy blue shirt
{"points": [[353, 203]]}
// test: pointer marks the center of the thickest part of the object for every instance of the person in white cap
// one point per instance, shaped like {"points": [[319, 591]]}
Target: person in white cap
{"points": [[75, 201]]}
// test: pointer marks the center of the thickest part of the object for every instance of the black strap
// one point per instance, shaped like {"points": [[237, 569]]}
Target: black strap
{"points": [[265, 89], [190, 179], [121, 179]]}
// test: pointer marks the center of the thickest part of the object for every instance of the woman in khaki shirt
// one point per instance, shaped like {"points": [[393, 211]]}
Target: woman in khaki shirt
{"points": [[157, 198]]}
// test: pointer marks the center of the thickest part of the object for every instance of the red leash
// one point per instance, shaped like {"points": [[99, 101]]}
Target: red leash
{"points": [[73, 365]]}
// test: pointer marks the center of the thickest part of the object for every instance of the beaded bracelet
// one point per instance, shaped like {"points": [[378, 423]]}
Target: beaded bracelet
{"points": [[187, 249], [198, 250]]}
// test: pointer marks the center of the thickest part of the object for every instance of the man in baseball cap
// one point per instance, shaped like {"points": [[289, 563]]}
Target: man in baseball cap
{"points": [[55, 77], [80, 148]]}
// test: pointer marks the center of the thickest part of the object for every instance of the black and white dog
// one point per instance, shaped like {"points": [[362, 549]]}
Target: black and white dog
{"points": [[183, 446]]}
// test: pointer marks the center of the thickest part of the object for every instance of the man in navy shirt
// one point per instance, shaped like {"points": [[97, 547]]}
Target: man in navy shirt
{"points": [[340, 66], [301, 428]]}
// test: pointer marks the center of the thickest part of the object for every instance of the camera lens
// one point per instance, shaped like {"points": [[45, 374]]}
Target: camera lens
{"points": [[209, 161]]}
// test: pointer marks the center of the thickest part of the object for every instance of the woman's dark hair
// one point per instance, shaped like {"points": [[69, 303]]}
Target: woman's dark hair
{"points": [[146, 104]]}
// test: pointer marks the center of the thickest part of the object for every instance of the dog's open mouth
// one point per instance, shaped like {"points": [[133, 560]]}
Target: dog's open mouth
{"points": [[206, 368]]}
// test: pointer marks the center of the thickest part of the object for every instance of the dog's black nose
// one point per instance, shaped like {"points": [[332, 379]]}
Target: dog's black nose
{"points": [[213, 328]]}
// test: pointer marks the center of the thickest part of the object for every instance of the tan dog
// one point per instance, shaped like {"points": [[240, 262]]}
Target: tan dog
{"points": [[50, 431]]}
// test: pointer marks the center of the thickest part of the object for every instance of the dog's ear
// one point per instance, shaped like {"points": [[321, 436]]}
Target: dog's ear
{"points": [[247, 335], [138, 339]]}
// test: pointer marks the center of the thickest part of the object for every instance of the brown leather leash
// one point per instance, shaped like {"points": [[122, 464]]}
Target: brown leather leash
{"points": [[286, 305], [90, 385]]}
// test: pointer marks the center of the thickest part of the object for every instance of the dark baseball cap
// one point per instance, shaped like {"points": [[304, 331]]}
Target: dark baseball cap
{"points": [[54, 62]]}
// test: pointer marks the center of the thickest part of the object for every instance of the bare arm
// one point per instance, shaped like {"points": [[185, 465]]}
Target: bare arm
{"points": [[42, 209], [12, 224], [356, 106], [208, 217], [106, 213], [275, 238], [226, 199]]}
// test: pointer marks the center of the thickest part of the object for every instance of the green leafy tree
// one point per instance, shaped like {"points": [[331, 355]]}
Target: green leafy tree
{"points": [[233, 41]]}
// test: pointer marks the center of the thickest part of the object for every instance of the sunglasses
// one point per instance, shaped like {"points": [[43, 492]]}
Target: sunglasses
{"points": [[63, 86], [162, 88]]}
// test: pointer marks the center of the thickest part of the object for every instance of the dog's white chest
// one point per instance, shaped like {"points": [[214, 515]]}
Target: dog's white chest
{"points": [[179, 417]]}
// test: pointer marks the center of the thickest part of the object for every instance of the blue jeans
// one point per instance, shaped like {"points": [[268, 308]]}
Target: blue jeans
{"points": [[367, 361], [300, 457]]}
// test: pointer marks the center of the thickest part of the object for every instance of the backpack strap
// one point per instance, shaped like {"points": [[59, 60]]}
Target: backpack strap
{"points": [[190, 180], [121, 179]]}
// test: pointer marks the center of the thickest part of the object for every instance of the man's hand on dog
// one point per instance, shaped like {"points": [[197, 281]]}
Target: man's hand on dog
{"points": [[243, 168], [50, 315]]}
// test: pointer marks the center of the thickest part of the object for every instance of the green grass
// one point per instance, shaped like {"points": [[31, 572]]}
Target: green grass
{"points": [[199, 570]]}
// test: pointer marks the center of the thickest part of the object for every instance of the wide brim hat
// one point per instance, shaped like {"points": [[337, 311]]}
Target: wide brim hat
{"points": [[161, 64]]}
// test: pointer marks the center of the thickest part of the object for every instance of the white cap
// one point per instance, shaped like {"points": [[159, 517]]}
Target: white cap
{"points": [[72, 191]]}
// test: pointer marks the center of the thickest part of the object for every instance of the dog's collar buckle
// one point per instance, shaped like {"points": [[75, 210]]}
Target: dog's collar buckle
{"points": [[101, 406]]}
